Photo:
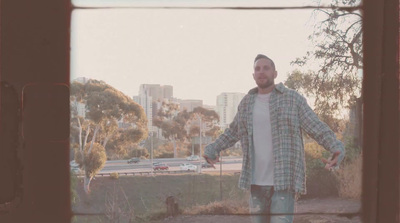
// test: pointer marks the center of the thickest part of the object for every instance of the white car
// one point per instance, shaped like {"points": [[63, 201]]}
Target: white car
{"points": [[193, 157], [188, 166], [73, 164], [75, 170]]}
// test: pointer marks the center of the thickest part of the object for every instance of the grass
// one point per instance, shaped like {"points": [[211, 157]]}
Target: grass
{"points": [[144, 196]]}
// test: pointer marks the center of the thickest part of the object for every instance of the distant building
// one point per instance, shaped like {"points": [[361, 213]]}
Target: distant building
{"points": [[156, 91], [210, 107], [82, 80], [79, 107], [146, 101], [150, 98], [227, 105], [189, 104], [168, 92]]}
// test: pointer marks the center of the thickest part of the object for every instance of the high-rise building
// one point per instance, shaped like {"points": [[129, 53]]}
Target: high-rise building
{"points": [[145, 100], [156, 91], [150, 98], [227, 105], [168, 91]]}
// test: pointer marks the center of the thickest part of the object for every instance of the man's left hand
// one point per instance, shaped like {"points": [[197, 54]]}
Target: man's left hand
{"points": [[331, 163]]}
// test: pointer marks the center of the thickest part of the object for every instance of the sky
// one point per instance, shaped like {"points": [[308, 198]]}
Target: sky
{"points": [[201, 53]]}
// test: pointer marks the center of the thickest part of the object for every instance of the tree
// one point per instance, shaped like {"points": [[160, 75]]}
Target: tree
{"points": [[171, 123], [105, 107], [203, 121], [124, 144], [335, 83], [168, 110], [108, 128], [153, 141], [91, 160], [179, 126], [209, 119]]}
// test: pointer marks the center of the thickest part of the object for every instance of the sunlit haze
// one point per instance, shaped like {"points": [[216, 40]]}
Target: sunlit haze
{"points": [[200, 52]]}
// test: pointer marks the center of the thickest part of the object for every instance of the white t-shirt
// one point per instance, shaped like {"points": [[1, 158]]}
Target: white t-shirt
{"points": [[262, 137]]}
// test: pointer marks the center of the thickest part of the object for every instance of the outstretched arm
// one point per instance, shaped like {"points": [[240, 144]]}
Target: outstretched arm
{"points": [[321, 132], [224, 141]]}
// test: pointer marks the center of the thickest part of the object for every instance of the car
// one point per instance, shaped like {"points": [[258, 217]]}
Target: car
{"points": [[73, 164], [160, 166], [134, 160], [192, 157], [75, 170], [205, 165], [187, 166]]}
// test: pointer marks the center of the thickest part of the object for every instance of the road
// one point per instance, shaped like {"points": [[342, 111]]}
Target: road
{"points": [[121, 166]]}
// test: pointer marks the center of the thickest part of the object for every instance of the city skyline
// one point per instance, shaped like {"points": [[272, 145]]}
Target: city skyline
{"points": [[133, 96]]}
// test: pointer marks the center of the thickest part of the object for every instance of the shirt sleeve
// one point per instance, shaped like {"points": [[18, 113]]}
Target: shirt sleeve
{"points": [[319, 130], [224, 141]]}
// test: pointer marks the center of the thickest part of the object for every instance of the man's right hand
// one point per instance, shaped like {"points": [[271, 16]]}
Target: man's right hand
{"points": [[211, 161], [331, 163]]}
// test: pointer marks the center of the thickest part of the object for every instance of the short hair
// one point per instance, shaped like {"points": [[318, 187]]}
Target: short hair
{"points": [[260, 56]]}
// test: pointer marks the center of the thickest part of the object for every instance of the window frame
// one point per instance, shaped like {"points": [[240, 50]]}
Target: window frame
{"points": [[34, 47]]}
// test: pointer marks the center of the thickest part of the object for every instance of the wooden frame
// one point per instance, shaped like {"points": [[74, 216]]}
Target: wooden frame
{"points": [[34, 48]]}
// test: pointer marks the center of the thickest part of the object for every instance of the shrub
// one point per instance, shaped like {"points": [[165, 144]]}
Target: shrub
{"points": [[164, 151], [320, 182], [114, 175], [137, 151]]}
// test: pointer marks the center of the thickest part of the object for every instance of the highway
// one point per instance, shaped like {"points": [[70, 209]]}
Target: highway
{"points": [[121, 166]]}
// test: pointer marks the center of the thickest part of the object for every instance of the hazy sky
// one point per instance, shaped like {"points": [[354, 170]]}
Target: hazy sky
{"points": [[201, 53]]}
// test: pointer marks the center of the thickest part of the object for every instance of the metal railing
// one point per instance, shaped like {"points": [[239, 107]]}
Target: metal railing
{"points": [[141, 173]]}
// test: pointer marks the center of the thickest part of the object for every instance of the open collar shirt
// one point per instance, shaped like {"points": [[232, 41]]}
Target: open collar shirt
{"points": [[290, 115]]}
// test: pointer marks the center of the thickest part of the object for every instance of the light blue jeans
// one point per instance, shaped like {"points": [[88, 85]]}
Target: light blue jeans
{"points": [[269, 206]]}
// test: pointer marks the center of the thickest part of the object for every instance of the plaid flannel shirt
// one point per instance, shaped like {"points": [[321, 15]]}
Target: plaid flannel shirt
{"points": [[290, 115]]}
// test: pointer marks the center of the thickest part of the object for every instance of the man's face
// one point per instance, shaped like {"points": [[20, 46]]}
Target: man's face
{"points": [[264, 73]]}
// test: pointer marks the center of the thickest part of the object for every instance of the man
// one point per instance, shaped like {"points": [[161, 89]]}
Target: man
{"points": [[269, 125]]}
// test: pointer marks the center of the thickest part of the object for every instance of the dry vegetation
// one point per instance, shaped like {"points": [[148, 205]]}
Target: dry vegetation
{"points": [[233, 207], [349, 177]]}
